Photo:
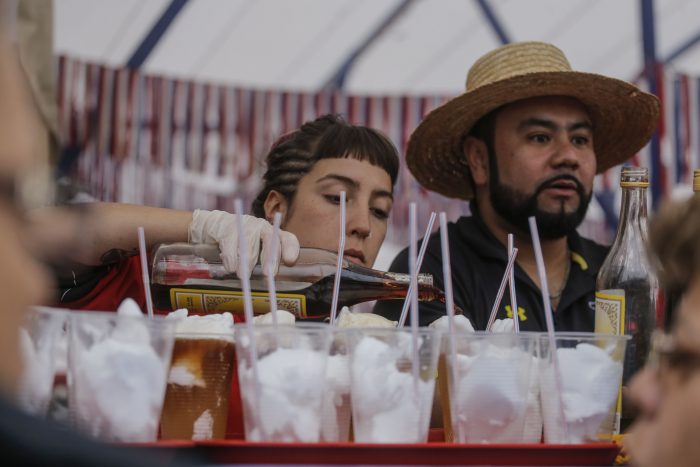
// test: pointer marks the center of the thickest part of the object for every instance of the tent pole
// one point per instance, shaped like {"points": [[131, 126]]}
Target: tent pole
{"points": [[651, 71]]}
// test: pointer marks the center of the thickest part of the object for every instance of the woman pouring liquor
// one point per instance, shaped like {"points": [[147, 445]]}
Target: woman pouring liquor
{"points": [[306, 171]]}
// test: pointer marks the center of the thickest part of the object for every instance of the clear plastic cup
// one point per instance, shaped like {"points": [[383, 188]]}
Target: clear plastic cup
{"points": [[117, 370], [282, 393], [590, 378], [388, 404], [492, 389], [336, 410], [39, 341], [199, 383]]}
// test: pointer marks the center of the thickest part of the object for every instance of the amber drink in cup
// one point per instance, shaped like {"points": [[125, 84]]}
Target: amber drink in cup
{"points": [[199, 382]]}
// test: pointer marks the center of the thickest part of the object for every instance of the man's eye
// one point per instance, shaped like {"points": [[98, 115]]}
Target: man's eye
{"points": [[539, 138], [580, 140]]}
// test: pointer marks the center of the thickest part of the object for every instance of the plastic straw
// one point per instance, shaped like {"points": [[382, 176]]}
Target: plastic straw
{"points": [[244, 274], [544, 287], [449, 303], [274, 247], [414, 298], [419, 262], [502, 288], [144, 271], [511, 282], [339, 264]]}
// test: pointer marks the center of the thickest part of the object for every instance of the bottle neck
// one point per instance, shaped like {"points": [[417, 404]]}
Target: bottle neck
{"points": [[633, 210]]}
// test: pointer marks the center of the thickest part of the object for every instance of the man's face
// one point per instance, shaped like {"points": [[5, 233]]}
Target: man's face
{"points": [[543, 164], [668, 396]]}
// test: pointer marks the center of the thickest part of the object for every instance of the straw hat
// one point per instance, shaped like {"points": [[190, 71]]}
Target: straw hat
{"points": [[623, 117]]}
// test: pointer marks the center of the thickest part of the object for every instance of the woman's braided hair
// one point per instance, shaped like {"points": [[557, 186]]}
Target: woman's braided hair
{"points": [[293, 155]]}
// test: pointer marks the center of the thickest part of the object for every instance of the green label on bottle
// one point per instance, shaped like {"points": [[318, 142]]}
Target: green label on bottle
{"points": [[204, 301], [610, 311]]}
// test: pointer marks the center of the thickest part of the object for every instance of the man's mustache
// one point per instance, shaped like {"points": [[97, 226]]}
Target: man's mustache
{"points": [[561, 177]]}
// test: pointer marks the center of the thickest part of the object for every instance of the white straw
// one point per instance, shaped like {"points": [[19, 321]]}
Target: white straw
{"points": [[502, 288], [419, 262], [449, 303], [244, 276], [144, 271], [544, 287], [339, 264], [273, 253], [414, 298], [511, 282]]}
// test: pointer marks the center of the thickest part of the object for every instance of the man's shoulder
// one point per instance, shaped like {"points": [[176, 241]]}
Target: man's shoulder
{"points": [[589, 252]]}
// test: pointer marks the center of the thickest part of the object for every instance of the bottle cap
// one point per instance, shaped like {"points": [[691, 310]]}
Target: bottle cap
{"points": [[634, 177]]}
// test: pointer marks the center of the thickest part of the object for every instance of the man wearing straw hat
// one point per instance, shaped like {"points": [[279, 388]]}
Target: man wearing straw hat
{"points": [[525, 139]]}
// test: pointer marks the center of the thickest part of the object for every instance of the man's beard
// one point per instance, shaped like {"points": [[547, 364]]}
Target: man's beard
{"points": [[516, 207]]}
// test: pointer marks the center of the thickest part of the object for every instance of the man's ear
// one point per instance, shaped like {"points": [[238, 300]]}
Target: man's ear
{"points": [[477, 156], [275, 202]]}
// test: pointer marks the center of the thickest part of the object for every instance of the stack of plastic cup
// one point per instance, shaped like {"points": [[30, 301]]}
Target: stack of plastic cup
{"points": [[117, 369], [577, 403], [389, 404]]}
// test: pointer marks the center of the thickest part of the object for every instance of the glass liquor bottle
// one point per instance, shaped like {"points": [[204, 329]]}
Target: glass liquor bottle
{"points": [[626, 287], [192, 276]]}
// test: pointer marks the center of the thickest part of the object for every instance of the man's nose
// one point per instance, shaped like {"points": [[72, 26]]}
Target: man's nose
{"points": [[566, 154]]}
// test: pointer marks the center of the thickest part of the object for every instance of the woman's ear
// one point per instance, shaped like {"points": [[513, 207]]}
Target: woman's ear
{"points": [[477, 156], [275, 202]]}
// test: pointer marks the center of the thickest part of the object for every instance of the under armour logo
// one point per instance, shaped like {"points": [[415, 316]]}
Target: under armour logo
{"points": [[521, 313]]}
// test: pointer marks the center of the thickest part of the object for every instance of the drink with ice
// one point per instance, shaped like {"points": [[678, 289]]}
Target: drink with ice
{"points": [[389, 405], [282, 373], [578, 403], [117, 369]]}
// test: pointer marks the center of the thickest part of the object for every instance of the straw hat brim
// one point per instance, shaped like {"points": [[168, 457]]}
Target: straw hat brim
{"points": [[623, 118]]}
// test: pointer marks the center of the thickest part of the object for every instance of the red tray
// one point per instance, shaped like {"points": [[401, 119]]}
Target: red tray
{"points": [[243, 452]]}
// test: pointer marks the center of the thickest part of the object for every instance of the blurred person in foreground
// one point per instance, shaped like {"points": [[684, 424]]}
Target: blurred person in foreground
{"points": [[667, 390], [25, 440], [526, 139]]}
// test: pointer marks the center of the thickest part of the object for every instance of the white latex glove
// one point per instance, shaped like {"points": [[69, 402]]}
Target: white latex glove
{"points": [[221, 228]]}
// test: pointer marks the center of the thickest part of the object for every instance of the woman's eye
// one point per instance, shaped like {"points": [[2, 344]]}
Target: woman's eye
{"points": [[334, 199], [380, 213]]}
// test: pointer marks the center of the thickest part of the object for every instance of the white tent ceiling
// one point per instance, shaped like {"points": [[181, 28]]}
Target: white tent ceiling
{"points": [[300, 44]]}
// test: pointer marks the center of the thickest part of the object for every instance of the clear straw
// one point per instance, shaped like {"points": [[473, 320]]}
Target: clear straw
{"points": [[144, 271], [273, 253], [502, 288], [449, 303], [414, 298], [339, 264], [419, 262], [511, 282], [544, 287], [244, 276]]}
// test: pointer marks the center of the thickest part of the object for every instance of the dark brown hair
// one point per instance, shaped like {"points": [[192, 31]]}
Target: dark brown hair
{"points": [[328, 137]]}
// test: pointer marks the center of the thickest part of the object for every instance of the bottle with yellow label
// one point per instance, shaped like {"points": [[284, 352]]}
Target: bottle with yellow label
{"points": [[192, 276], [627, 288]]}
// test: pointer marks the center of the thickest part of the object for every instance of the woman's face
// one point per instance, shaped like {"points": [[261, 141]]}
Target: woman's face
{"points": [[314, 215]]}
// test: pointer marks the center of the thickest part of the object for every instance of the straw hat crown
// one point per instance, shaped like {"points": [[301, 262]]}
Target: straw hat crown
{"points": [[623, 116]]}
